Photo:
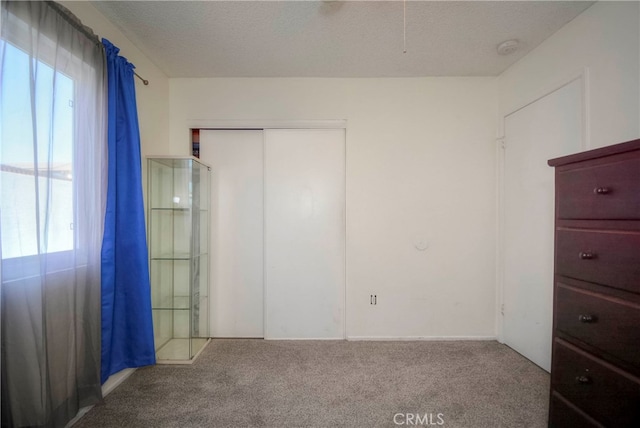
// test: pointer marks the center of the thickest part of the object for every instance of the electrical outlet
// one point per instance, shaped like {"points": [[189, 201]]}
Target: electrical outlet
{"points": [[373, 299]]}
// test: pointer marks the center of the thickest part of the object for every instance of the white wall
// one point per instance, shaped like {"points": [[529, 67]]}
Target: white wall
{"points": [[604, 40], [420, 170], [153, 100]]}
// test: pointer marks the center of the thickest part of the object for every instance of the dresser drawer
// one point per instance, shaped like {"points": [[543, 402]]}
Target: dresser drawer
{"points": [[605, 257], [563, 415], [608, 191], [604, 322], [604, 392]]}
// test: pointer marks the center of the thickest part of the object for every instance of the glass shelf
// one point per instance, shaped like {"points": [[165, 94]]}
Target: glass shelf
{"points": [[175, 209], [173, 257], [178, 256], [172, 302]]}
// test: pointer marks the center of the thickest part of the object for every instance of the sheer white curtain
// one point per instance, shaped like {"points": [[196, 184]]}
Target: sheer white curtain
{"points": [[53, 185]]}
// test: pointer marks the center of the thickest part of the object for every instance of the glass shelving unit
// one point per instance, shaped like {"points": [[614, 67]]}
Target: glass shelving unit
{"points": [[178, 224]]}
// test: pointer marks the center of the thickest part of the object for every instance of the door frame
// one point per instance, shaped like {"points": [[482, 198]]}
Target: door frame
{"points": [[222, 124], [259, 124], [583, 76]]}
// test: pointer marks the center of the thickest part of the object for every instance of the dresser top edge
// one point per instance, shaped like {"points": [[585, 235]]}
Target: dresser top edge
{"points": [[615, 149]]}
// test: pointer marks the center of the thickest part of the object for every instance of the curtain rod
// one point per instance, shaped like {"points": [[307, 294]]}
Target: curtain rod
{"points": [[145, 81], [75, 22]]}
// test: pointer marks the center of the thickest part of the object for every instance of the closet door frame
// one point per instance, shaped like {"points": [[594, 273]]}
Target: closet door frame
{"points": [[221, 125], [263, 125]]}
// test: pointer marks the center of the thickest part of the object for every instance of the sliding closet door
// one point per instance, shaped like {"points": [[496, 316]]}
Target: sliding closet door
{"points": [[304, 234], [236, 159]]}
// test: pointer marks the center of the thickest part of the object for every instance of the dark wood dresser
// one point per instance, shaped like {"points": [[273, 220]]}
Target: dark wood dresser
{"points": [[595, 370]]}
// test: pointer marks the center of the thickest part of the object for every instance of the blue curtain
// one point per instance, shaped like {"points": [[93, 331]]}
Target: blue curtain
{"points": [[127, 324]]}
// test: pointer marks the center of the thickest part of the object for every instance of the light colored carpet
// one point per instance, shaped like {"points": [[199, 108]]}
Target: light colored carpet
{"points": [[242, 383]]}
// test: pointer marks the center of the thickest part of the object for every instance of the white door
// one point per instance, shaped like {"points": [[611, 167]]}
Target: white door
{"points": [[304, 234], [236, 158], [547, 128]]}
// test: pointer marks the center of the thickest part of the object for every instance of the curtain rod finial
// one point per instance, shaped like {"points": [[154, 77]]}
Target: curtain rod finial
{"points": [[145, 81]]}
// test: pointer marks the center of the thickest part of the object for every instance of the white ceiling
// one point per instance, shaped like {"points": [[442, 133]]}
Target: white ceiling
{"points": [[335, 39]]}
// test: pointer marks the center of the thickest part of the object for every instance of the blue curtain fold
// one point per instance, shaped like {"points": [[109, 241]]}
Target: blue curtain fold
{"points": [[127, 324]]}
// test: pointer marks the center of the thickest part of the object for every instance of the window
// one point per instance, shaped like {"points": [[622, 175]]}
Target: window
{"points": [[35, 181]]}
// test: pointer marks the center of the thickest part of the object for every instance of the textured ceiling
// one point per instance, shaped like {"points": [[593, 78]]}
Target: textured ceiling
{"points": [[335, 39]]}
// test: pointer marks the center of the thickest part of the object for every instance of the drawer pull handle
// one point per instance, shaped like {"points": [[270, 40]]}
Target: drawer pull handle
{"points": [[584, 380], [586, 255], [587, 319], [601, 190]]}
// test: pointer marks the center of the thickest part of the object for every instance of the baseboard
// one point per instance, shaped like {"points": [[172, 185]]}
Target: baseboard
{"points": [[304, 338], [115, 380], [391, 338], [419, 338], [111, 384], [80, 414]]}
